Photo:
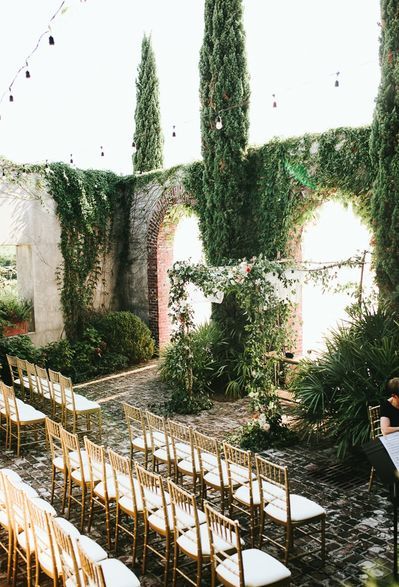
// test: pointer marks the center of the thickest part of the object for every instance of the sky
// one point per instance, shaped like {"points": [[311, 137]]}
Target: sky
{"points": [[81, 94]]}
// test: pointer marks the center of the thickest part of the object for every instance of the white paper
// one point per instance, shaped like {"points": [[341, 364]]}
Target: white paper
{"points": [[391, 444]]}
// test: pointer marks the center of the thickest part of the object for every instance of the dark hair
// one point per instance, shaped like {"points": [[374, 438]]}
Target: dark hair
{"points": [[393, 386]]}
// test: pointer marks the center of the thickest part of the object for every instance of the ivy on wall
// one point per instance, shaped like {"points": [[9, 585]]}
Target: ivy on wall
{"points": [[86, 203]]}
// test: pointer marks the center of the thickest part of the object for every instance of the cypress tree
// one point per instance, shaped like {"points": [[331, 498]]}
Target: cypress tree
{"points": [[224, 92], [148, 134], [385, 155]]}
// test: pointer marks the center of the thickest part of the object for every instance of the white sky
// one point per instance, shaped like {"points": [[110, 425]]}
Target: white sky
{"points": [[82, 93]]}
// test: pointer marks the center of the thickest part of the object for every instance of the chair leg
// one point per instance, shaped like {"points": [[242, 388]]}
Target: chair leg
{"points": [[372, 475], [82, 518], [100, 424], [175, 563], [323, 539], [144, 562], [52, 484], [167, 560], [107, 524], [288, 542]]}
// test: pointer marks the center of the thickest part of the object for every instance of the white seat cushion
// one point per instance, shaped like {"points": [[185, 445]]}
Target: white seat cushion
{"points": [[183, 450], [302, 509], [27, 413], [27, 489], [259, 569], [186, 466], [188, 542], [154, 499], [162, 454], [242, 494], [82, 404], [139, 443], [44, 505], [117, 574], [11, 475], [93, 550], [68, 527], [99, 489], [157, 519]]}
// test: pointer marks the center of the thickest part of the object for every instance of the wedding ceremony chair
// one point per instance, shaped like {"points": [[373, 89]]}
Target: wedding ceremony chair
{"points": [[290, 511], [58, 460], [78, 406], [375, 432], [246, 567], [139, 436]]}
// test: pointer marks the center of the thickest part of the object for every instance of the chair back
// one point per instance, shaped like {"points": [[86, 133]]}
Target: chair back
{"points": [[97, 464], [153, 495], [45, 548], [32, 378], [375, 421], [17, 511], [123, 478], [223, 530], [135, 421], [92, 572], [67, 554], [10, 401], [182, 440], [53, 432], [207, 449], [71, 450], [184, 507], [55, 387], [67, 393], [22, 374], [239, 467], [157, 429], [43, 383], [13, 367], [273, 485]]}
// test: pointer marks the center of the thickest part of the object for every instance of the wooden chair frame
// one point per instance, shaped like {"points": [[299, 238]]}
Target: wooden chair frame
{"points": [[43, 540], [374, 414], [58, 460], [69, 408], [139, 436], [125, 487], [276, 476], [56, 395], [17, 375], [33, 382], [155, 503], [67, 554], [6, 537], [208, 451], [184, 454], [162, 452]]}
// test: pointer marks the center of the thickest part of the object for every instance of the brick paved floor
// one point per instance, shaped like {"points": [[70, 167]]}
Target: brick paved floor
{"points": [[359, 530]]}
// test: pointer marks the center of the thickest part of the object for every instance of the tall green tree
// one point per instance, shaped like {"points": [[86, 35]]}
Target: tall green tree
{"points": [[224, 93], [148, 139], [385, 154]]}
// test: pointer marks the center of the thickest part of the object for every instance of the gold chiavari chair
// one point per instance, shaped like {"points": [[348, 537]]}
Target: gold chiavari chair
{"points": [[192, 542], [44, 388], [243, 486], [375, 432], [106, 573], [162, 451], [78, 472], [12, 363], [184, 454], [78, 406], [292, 512], [21, 416], [23, 384], [46, 551], [56, 395], [22, 540], [6, 536], [128, 498], [157, 517], [246, 567], [139, 436], [58, 460], [102, 486], [3, 418], [214, 476]]}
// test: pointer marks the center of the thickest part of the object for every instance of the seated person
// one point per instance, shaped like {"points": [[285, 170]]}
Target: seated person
{"points": [[389, 409]]}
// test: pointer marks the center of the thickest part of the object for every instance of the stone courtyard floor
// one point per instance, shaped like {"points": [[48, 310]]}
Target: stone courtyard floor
{"points": [[359, 524]]}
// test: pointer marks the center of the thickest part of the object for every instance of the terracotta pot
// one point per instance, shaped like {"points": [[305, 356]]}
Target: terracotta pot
{"points": [[16, 328]]}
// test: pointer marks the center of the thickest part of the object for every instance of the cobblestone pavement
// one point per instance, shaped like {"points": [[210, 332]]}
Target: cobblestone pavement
{"points": [[359, 524]]}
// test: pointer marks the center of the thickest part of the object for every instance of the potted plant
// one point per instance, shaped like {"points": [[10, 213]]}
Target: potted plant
{"points": [[15, 314]]}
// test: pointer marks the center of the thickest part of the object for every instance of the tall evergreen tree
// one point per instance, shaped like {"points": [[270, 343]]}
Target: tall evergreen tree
{"points": [[385, 154], [224, 93], [147, 138]]}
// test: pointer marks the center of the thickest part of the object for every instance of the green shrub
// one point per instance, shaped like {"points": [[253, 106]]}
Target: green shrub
{"points": [[182, 403], [13, 309], [58, 356], [334, 391], [18, 346], [125, 334], [253, 436], [206, 340]]}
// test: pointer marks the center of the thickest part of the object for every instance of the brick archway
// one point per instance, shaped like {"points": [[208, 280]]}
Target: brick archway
{"points": [[160, 258]]}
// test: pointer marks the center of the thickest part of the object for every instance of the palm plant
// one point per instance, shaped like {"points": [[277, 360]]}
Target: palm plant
{"points": [[335, 391]]}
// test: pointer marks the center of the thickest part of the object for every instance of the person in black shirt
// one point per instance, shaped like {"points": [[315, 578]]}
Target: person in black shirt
{"points": [[389, 409]]}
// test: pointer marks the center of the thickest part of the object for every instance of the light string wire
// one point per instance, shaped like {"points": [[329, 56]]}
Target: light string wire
{"points": [[32, 52]]}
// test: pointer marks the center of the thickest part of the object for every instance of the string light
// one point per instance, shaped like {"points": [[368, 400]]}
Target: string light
{"points": [[219, 123], [337, 80], [71, 159], [11, 97], [102, 151], [134, 147], [274, 101], [27, 72], [174, 131]]}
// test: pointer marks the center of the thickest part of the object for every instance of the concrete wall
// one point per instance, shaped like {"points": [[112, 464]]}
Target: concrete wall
{"points": [[28, 221]]}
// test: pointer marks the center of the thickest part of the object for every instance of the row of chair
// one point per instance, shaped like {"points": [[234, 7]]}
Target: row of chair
{"points": [[248, 485], [32, 532], [54, 393], [162, 507]]}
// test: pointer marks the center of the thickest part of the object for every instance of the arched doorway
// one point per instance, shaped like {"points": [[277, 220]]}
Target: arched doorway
{"points": [[336, 233]]}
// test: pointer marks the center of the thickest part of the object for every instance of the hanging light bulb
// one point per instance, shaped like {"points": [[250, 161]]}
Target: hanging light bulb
{"points": [[27, 72], [102, 151], [10, 97], [174, 131], [134, 147], [336, 85], [71, 159], [219, 123], [51, 38], [274, 101]]}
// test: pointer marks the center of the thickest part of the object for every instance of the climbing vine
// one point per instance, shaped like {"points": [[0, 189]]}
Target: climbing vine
{"points": [[86, 203]]}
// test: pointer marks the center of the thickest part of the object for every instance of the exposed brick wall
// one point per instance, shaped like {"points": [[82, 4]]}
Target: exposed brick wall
{"points": [[160, 257]]}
